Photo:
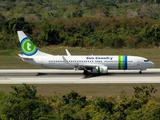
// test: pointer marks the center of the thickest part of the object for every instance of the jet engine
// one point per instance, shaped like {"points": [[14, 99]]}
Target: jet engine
{"points": [[100, 70]]}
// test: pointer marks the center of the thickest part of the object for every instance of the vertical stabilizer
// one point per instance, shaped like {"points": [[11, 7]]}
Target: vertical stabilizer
{"points": [[27, 47]]}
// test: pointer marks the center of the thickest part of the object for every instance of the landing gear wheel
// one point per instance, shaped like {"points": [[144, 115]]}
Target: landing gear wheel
{"points": [[140, 72], [85, 72]]}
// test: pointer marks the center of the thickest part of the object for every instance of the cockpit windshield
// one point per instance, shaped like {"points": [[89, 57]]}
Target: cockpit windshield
{"points": [[146, 60]]}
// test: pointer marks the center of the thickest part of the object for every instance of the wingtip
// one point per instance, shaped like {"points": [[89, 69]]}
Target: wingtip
{"points": [[68, 53]]}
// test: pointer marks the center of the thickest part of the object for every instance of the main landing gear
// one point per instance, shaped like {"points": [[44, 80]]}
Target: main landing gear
{"points": [[85, 72], [140, 72]]}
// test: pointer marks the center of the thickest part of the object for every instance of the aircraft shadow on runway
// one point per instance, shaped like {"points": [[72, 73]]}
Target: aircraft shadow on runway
{"points": [[43, 74], [124, 74]]}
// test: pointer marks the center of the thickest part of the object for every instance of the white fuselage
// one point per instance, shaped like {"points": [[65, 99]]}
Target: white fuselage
{"points": [[111, 62]]}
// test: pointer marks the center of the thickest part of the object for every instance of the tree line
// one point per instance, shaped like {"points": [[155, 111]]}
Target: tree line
{"points": [[82, 23], [84, 32], [25, 104]]}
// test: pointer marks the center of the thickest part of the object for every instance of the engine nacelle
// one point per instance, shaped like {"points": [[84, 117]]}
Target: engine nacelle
{"points": [[100, 70]]}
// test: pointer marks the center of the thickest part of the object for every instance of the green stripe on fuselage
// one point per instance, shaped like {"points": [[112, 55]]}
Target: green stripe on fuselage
{"points": [[122, 62]]}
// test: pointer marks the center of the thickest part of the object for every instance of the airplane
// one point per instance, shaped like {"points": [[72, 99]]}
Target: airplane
{"points": [[90, 64]]}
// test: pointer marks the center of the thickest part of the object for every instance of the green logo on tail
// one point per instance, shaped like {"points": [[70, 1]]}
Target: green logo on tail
{"points": [[28, 48]]}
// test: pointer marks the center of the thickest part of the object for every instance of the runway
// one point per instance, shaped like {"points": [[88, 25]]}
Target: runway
{"points": [[50, 76]]}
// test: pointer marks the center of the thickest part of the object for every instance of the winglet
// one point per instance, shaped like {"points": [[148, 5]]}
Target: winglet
{"points": [[68, 53]]}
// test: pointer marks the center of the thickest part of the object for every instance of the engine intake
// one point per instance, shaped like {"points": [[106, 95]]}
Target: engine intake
{"points": [[100, 70]]}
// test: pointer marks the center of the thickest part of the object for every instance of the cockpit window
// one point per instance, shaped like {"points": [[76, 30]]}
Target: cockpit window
{"points": [[146, 60]]}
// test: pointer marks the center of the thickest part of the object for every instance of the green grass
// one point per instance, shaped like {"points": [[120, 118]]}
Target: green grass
{"points": [[89, 90], [9, 59]]}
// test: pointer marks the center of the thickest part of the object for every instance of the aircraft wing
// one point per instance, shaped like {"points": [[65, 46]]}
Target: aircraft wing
{"points": [[84, 66]]}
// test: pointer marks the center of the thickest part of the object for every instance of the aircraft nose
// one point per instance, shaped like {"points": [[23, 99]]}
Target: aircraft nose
{"points": [[151, 64]]}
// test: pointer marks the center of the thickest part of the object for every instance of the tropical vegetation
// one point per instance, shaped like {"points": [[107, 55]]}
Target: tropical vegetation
{"points": [[25, 104], [82, 23]]}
